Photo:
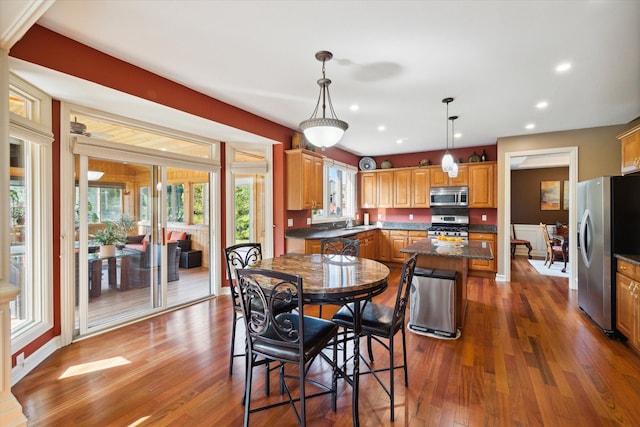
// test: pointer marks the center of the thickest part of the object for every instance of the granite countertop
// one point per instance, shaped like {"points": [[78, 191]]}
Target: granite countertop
{"points": [[633, 259], [320, 233], [472, 249], [325, 232]]}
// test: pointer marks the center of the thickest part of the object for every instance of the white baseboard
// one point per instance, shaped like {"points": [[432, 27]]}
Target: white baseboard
{"points": [[19, 372]]}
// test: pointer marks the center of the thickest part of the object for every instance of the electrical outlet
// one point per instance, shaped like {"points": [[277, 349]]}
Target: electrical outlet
{"points": [[484, 217], [379, 216], [290, 222], [20, 360], [308, 221], [357, 217], [410, 217]]}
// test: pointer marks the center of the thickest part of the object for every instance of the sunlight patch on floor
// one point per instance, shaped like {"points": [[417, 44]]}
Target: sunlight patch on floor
{"points": [[139, 421], [98, 365]]}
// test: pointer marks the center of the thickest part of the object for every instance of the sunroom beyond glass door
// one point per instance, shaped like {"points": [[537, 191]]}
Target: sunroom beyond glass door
{"points": [[126, 283]]}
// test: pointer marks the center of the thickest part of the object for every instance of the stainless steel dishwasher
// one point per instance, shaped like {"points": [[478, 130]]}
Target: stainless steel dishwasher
{"points": [[432, 310]]}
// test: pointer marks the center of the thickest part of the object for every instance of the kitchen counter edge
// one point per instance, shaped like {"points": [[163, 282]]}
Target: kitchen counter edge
{"points": [[633, 259], [317, 233]]}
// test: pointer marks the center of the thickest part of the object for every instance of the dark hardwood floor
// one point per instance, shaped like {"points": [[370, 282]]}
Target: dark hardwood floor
{"points": [[527, 357]]}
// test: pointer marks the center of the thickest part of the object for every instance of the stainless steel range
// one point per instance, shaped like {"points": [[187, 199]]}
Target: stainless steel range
{"points": [[453, 223]]}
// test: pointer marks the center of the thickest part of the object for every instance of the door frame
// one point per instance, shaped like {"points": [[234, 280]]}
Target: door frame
{"points": [[67, 202], [264, 168], [504, 251]]}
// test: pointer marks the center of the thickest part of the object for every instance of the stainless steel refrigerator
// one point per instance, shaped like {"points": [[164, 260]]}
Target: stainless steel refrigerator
{"points": [[608, 223]]}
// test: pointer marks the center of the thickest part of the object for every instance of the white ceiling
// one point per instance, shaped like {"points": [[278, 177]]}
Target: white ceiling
{"points": [[395, 59]]}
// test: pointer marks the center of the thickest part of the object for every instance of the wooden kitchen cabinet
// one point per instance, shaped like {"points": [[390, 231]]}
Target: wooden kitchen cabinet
{"points": [[399, 239], [396, 240], [384, 182], [402, 188], [628, 302], [368, 190], [484, 265], [630, 145], [420, 187], [482, 185], [415, 236], [384, 245], [304, 171], [368, 244], [438, 178]]}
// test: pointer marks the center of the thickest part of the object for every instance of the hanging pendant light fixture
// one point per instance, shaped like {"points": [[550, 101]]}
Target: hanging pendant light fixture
{"points": [[447, 159], [453, 172], [323, 131]]}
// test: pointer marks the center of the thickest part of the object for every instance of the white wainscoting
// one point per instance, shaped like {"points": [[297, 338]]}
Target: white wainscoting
{"points": [[533, 234]]}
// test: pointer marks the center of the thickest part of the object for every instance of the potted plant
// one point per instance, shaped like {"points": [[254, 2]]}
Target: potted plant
{"points": [[108, 237], [125, 224]]}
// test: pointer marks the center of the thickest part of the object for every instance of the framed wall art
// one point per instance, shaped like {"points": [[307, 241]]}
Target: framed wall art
{"points": [[549, 195]]}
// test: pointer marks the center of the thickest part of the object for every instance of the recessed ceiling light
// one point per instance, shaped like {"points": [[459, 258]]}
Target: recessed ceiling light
{"points": [[354, 107], [457, 135], [530, 126], [381, 128], [542, 105], [565, 66], [399, 141]]}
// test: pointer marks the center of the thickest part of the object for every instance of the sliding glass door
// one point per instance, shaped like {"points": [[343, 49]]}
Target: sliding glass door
{"points": [[158, 219], [143, 221]]}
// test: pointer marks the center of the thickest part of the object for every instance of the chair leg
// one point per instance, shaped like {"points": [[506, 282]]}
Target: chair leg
{"points": [[233, 341], [334, 380], [369, 348], [247, 391], [391, 375], [303, 413], [404, 356]]}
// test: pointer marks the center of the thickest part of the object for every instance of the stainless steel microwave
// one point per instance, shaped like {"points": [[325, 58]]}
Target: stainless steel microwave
{"points": [[449, 196]]}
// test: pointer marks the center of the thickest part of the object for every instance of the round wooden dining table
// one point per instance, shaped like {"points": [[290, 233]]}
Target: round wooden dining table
{"points": [[336, 279]]}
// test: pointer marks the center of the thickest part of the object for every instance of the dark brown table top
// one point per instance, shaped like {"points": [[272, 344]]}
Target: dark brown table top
{"points": [[330, 277]]}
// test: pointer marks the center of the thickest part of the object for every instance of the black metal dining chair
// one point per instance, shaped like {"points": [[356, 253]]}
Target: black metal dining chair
{"points": [[379, 323], [338, 246], [241, 256], [288, 338]]}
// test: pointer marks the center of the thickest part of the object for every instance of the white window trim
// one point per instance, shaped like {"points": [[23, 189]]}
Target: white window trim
{"points": [[347, 168], [37, 131], [259, 167]]}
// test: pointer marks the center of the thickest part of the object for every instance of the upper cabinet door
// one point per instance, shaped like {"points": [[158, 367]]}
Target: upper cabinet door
{"points": [[368, 190], [402, 188], [385, 188], [630, 145], [420, 188], [482, 185]]}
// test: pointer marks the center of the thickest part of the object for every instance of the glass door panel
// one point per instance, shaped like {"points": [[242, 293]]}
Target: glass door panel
{"points": [[187, 236], [249, 204], [124, 281], [161, 258]]}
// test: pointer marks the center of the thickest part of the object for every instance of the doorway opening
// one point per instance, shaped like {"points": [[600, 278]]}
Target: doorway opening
{"points": [[570, 156]]}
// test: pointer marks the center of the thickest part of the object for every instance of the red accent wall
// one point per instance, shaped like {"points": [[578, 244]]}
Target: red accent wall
{"points": [[51, 50], [413, 159]]}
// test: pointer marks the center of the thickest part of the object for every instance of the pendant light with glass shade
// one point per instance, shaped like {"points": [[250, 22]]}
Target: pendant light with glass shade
{"points": [[453, 172], [447, 159], [323, 131]]}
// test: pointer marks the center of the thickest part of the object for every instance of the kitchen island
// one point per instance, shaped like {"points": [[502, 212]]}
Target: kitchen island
{"points": [[454, 256]]}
